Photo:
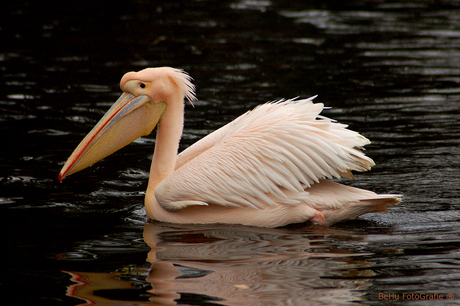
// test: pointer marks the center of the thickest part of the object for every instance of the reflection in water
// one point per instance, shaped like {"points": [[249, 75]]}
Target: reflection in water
{"points": [[232, 265], [100, 288], [250, 267]]}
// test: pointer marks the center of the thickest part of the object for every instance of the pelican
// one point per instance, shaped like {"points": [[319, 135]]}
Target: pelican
{"points": [[269, 167]]}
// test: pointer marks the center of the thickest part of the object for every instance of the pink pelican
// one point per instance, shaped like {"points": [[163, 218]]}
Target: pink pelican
{"points": [[268, 168]]}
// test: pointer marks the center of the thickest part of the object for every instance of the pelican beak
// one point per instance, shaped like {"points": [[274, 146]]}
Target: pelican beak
{"points": [[129, 118]]}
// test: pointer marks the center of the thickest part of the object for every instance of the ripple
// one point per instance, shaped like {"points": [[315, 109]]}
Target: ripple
{"points": [[79, 119], [96, 88], [137, 174], [9, 200], [21, 97], [76, 256], [260, 5], [112, 193], [125, 242], [49, 132]]}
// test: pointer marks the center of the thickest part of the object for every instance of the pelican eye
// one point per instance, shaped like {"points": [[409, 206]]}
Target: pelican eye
{"points": [[142, 85]]}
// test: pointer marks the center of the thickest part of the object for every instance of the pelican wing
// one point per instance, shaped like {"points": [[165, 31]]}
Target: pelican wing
{"points": [[265, 154]]}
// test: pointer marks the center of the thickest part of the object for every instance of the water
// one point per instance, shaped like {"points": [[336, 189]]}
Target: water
{"points": [[389, 70]]}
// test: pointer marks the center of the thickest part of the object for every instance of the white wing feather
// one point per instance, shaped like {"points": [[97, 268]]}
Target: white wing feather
{"points": [[256, 159]]}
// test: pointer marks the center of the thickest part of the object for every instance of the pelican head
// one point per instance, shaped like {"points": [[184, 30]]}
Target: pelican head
{"points": [[146, 96]]}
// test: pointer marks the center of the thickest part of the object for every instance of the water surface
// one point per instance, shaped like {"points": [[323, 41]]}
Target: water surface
{"points": [[389, 70]]}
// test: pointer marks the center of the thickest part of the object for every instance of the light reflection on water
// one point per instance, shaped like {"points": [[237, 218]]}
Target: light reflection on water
{"points": [[389, 70]]}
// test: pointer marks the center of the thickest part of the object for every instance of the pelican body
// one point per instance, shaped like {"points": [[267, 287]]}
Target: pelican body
{"points": [[269, 167]]}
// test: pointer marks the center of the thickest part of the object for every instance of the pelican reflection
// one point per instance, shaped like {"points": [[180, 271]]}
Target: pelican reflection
{"points": [[235, 265]]}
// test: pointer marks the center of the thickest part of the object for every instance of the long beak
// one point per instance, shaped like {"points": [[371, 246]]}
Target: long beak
{"points": [[129, 118]]}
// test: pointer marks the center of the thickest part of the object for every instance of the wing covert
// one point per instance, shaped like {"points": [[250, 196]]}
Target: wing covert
{"points": [[253, 160]]}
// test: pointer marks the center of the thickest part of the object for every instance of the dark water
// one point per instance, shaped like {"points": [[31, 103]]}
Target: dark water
{"points": [[390, 70]]}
